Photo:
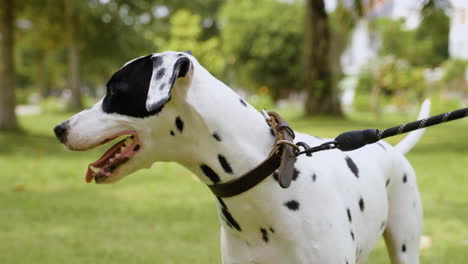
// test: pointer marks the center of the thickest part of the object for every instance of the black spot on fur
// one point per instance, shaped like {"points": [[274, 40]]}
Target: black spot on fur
{"points": [[292, 205], [243, 102], [160, 73], [223, 205], [349, 215], [403, 248], [161, 87], [172, 133], [361, 204], [272, 230], [210, 173], [264, 234], [217, 137], [387, 182], [230, 221], [295, 174], [314, 177], [381, 145], [405, 178], [352, 235], [157, 61], [179, 124], [352, 166], [225, 164], [358, 253]]}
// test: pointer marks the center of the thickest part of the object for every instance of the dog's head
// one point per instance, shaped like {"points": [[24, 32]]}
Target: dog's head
{"points": [[131, 110]]}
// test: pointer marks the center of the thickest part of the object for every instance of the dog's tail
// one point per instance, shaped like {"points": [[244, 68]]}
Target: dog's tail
{"points": [[410, 141]]}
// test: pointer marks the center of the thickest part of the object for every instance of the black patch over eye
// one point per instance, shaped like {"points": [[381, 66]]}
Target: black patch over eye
{"points": [[127, 89]]}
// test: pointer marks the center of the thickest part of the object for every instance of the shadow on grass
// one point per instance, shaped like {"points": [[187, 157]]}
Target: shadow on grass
{"points": [[30, 144]]}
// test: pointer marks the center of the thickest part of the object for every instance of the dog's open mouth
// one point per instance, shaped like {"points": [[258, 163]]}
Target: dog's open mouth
{"points": [[105, 167]]}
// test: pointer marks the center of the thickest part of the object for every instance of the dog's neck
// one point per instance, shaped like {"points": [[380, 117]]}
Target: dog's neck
{"points": [[229, 136]]}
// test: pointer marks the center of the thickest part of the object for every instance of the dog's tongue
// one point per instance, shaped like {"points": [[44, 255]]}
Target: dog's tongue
{"points": [[103, 161], [89, 175]]}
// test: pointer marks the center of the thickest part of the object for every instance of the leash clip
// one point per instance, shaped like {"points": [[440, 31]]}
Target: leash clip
{"points": [[309, 150]]}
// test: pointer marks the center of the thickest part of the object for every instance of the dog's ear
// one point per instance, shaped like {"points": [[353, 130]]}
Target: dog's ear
{"points": [[166, 70]]}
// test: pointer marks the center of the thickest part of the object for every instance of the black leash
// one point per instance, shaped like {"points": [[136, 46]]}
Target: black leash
{"points": [[352, 140]]}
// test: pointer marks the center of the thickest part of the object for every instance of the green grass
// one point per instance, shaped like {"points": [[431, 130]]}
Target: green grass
{"points": [[48, 214]]}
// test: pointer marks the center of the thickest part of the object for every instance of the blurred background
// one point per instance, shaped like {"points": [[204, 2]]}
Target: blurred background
{"points": [[328, 66]]}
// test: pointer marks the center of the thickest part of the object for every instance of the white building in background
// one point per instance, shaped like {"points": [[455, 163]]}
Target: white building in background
{"points": [[458, 38]]}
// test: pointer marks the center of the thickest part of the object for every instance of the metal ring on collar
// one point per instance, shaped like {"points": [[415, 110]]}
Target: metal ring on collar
{"points": [[287, 142]]}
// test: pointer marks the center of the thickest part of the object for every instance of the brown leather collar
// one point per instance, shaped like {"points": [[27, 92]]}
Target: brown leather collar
{"points": [[282, 156]]}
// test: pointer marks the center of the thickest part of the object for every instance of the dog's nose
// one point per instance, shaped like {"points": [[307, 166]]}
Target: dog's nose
{"points": [[61, 131]]}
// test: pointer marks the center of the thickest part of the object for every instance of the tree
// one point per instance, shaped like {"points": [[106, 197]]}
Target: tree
{"points": [[434, 31], [323, 93], [73, 55], [7, 67], [262, 51], [425, 46], [39, 45], [185, 32]]}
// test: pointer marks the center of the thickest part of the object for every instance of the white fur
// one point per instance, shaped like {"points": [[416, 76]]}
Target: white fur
{"points": [[319, 231]]}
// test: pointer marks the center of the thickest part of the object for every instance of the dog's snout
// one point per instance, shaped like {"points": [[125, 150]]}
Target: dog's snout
{"points": [[61, 131]]}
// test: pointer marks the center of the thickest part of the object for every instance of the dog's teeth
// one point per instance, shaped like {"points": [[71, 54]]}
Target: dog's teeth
{"points": [[117, 156], [122, 149], [94, 169], [128, 142], [111, 160]]}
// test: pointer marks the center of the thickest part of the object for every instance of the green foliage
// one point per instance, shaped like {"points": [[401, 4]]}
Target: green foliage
{"points": [[185, 32], [261, 102], [263, 42], [397, 41], [454, 75], [342, 22], [442, 105], [433, 33], [425, 46], [365, 82]]}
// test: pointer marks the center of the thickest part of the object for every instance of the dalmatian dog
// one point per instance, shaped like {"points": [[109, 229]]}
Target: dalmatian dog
{"points": [[168, 107]]}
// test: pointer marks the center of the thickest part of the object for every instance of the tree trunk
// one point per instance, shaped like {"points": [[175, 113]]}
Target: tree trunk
{"points": [[7, 67], [43, 83], [73, 56], [323, 94]]}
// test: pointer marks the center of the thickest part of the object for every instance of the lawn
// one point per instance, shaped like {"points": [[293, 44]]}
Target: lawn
{"points": [[48, 214]]}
